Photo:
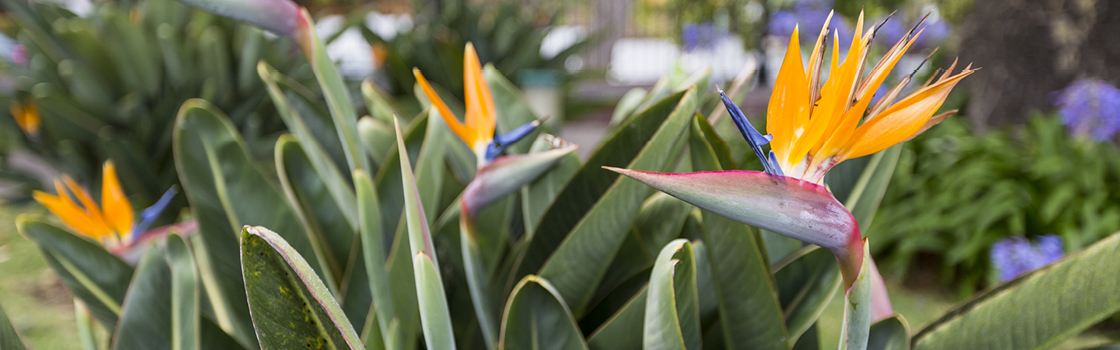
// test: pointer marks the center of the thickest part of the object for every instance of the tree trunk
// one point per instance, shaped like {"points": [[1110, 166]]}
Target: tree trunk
{"points": [[1030, 48]]}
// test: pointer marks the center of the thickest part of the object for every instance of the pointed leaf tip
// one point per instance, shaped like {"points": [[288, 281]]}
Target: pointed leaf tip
{"points": [[507, 174], [283, 17], [788, 206]]}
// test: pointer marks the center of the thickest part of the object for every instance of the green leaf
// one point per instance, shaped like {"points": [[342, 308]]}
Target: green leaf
{"points": [[539, 194], [377, 104], [806, 282], [872, 185], [587, 186], [478, 280], [890, 334], [388, 178], [226, 191], [146, 316], [579, 263], [333, 180], [857, 307], [624, 329], [96, 277], [373, 247], [672, 319], [185, 333], [660, 220], [537, 318], [377, 137], [291, 307], [750, 314], [331, 234], [9, 340], [338, 96], [1035, 311], [435, 318], [626, 105]]}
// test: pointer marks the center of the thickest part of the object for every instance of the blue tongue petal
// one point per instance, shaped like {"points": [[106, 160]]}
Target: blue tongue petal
{"points": [[501, 142], [149, 215], [752, 135]]}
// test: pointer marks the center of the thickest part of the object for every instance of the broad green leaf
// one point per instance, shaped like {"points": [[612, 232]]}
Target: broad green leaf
{"points": [[337, 94], [750, 314], [626, 105], [377, 104], [806, 282], [226, 191], [890, 334], [185, 333], [587, 186], [373, 247], [660, 220], [146, 316], [377, 137], [435, 318], [672, 319], [539, 194], [810, 340], [857, 307], [86, 326], [9, 340], [388, 178], [872, 185], [279, 16], [334, 182], [478, 280], [624, 329], [537, 318], [1038, 310], [290, 305], [578, 263], [308, 193], [96, 277]]}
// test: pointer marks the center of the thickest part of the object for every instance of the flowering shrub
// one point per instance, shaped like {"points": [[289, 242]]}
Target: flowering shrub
{"points": [[1090, 108]]}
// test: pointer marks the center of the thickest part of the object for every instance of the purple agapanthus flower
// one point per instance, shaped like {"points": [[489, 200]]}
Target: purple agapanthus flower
{"points": [[781, 23], [697, 36], [1090, 107], [934, 32], [810, 16], [1015, 256]]}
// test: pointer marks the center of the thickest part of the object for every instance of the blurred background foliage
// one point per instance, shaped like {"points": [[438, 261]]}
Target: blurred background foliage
{"points": [[956, 192], [108, 85], [506, 33]]}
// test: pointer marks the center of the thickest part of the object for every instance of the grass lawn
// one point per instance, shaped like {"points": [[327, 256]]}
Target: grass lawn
{"points": [[40, 307]]}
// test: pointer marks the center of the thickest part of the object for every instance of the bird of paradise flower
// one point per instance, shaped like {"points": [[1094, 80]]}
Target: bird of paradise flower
{"points": [[814, 125], [112, 223]]}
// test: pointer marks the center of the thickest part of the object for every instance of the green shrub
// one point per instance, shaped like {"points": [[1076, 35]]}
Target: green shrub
{"points": [[956, 192], [108, 85]]}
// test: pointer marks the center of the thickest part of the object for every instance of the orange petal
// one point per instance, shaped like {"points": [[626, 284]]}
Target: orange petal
{"points": [[83, 196], [789, 104], [26, 115], [480, 103], [902, 120], [71, 214], [114, 204], [464, 133], [933, 121]]}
